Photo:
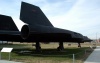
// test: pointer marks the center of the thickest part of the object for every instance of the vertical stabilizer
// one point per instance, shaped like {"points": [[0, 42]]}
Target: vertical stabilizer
{"points": [[7, 23], [32, 14]]}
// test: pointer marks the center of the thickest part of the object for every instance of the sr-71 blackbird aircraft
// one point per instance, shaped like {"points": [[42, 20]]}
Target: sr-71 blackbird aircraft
{"points": [[37, 29]]}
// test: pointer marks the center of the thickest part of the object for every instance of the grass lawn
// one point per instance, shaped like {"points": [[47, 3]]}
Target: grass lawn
{"points": [[25, 52]]}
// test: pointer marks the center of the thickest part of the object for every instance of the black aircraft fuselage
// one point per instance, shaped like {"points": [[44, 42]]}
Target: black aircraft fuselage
{"points": [[37, 29]]}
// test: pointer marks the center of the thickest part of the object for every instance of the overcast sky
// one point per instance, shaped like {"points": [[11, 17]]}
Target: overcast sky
{"points": [[82, 16]]}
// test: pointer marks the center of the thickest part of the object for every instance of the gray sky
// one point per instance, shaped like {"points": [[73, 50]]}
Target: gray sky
{"points": [[82, 16]]}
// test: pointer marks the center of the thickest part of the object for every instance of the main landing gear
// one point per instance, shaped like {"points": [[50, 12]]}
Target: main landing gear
{"points": [[79, 45], [38, 47], [61, 46]]}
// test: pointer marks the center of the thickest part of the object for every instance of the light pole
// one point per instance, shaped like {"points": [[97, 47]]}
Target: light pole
{"points": [[96, 38]]}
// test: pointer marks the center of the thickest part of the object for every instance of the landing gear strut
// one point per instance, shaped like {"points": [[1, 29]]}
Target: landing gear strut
{"points": [[38, 47], [79, 45], [61, 47]]}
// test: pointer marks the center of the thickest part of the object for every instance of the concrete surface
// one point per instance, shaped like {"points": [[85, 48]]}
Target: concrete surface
{"points": [[94, 56], [6, 61]]}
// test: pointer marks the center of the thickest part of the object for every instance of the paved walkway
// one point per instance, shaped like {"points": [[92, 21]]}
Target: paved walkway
{"points": [[5, 61], [94, 56]]}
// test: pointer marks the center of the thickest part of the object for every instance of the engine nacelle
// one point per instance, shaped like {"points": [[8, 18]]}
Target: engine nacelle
{"points": [[25, 31]]}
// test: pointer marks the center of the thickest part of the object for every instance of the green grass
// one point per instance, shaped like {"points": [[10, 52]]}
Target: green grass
{"points": [[49, 53]]}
